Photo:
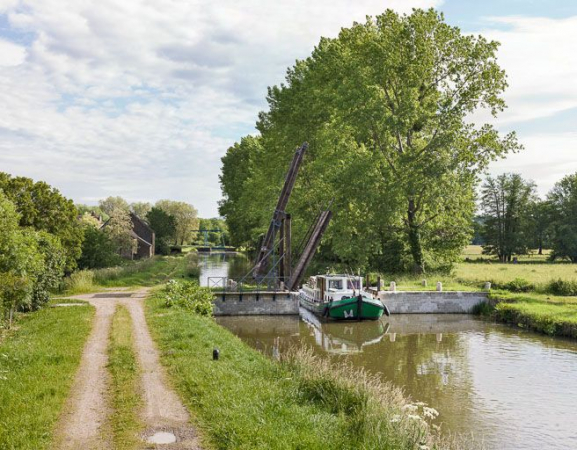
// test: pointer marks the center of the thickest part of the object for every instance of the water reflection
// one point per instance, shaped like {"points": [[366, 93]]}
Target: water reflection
{"points": [[511, 388], [222, 264]]}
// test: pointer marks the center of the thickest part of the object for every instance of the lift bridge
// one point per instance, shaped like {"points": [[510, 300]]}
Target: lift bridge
{"points": [[273, 270]]}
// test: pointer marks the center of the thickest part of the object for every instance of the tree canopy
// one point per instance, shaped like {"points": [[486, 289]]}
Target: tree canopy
{"points": [[43, 208], [507, 202], [386, 108], [563, 215]]}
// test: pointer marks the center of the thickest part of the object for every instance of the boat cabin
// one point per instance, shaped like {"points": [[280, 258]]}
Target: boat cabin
{"points": [[324, 288]]}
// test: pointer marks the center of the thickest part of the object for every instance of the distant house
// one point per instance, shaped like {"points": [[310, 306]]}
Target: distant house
{"points": [[143, 236]]}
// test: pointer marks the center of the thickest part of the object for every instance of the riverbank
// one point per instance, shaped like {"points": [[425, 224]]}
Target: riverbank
{"points": [[38, 361], [247, 400], [551, 315], [144, 273]]}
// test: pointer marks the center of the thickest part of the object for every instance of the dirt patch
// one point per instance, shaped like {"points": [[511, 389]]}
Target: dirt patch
{"points": [[83, 424]]}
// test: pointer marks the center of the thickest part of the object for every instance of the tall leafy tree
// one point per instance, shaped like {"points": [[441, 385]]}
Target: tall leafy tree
{"points": [[386, 107], [141, 209], [43, 208], [539, 225], [185, 216], [20, 261], [109, 204], [119, 230], [164, 226], [506, 202], [236, 170], [98, 249], [563, 216]]}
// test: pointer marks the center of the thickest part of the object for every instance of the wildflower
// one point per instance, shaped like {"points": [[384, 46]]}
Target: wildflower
{"points": [[396, 418], [420, 404], [423, 447], [430, 413], [410, 408], [414, 417]]}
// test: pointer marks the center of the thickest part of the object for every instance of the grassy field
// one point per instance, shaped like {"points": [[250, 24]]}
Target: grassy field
{"points": [[248, 401], [38, 361], [123, 367]]}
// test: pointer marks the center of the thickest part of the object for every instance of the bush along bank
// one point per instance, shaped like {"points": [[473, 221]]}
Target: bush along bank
{"points": [[554, 316], [247, 400]]}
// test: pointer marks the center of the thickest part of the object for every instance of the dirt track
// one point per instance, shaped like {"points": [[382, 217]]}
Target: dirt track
{"points": [[83, 425]]}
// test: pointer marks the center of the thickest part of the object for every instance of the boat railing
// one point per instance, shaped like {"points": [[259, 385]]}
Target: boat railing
{"points": [[269, 284]]}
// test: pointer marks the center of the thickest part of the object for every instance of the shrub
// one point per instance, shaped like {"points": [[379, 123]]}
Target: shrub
{"points": [[518, 285], [189, 295], [562, 287], [54, 262], [98, 250], [79, 282]]}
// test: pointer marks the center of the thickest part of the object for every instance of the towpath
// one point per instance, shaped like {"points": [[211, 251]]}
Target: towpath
{"points": [[84, 421]]}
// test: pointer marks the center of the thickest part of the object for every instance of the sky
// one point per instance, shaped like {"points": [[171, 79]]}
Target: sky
{"points": [[141, 98]]}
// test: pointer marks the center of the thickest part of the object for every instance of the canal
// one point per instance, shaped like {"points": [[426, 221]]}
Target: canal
{"points": [[509, 388]]}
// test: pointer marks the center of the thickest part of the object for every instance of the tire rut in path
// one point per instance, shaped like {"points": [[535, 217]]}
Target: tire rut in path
{"points": [[83, 424]]}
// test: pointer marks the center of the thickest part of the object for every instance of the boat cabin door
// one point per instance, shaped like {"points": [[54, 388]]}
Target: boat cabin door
{"points": [[322, 287]]}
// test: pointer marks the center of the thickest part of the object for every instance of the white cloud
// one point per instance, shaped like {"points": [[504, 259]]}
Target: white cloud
{"points": [[538, 56], [546, 159], [11, 54], [141, 98]]}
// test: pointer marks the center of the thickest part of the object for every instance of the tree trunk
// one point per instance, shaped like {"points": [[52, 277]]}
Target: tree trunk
{"points": [[415, 239]]}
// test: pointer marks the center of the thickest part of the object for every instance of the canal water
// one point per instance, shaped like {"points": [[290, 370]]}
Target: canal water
{"points": [[511, 389]]}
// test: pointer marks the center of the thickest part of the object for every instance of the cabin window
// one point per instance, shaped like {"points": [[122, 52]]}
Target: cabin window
{"points": [[336, 284], [353, 284]]}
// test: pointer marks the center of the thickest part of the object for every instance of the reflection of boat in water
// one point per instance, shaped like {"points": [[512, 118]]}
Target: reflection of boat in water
{"points": [[344, 337], [340, 297]]}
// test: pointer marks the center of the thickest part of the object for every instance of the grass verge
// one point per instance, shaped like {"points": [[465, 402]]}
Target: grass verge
{"points": [[248, 401], [555, 316], [38, 362], [148, 272], [123, 367]]}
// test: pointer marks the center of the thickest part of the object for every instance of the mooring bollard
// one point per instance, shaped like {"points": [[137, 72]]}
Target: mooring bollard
{"points": [[393, 286], [439, 286], [215, 354], [424, 283], [487, 286]]}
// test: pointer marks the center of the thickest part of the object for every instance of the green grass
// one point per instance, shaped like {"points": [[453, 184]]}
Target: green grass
{"points": [[149, 272], [555, 316], [123, 367], [38, 362], [248, 401]]}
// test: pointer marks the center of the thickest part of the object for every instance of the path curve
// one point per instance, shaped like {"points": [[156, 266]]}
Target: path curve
{"points": [[83, 424]]}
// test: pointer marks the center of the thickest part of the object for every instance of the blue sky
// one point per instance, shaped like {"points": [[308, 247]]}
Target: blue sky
{"points": [[141, 98]]}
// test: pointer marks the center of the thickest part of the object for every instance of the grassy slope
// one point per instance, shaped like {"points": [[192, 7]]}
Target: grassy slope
{"points": [[123, 369], [150, 272], [247, 401], [37, 366], [546, 314]]}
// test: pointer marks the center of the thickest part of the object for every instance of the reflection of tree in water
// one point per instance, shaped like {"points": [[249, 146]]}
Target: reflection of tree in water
{"points": [[238, 266]]}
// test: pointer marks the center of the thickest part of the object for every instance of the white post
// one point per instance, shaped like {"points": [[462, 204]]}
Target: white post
{"points": [[424, 283], [393, 286], [439, 286], [487, 286]]}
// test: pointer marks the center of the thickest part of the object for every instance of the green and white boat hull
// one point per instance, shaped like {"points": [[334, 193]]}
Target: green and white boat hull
{"points": [[359, 307]]}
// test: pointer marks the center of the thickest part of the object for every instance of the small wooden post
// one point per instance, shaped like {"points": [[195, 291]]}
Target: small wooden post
{"points": [[378, 284]]}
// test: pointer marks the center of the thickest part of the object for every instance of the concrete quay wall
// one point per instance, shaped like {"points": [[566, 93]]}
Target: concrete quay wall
{"points": [[431, 302], [255, 304]]}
